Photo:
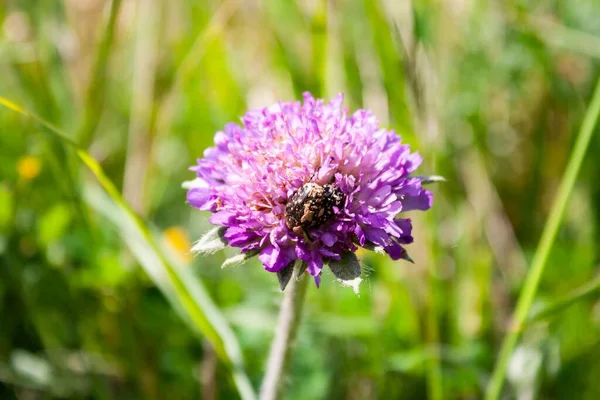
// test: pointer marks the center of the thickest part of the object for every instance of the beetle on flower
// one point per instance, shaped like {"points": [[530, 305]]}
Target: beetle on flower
{"points": [[309, 182]]}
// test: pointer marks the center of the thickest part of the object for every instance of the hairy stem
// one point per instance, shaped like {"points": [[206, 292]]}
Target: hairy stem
{"points": [[290, 315]]}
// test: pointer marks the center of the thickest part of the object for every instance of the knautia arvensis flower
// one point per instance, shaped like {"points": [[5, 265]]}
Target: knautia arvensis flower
{"points": [[309, 181]]}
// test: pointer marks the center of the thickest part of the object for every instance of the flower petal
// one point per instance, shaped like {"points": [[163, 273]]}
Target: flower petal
{"points": [[275, 259], [329, 239], [200, 198], [422, 201], [224, 218]]}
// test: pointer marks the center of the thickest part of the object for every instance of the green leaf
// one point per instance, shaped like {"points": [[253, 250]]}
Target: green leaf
{"points": [[239, 259], [347, 271], [425, 180], [211, 242], [285, 275]]}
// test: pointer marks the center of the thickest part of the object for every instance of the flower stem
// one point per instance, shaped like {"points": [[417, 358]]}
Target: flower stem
{"points": [[434, 369], [545, 245], [290, 315]]}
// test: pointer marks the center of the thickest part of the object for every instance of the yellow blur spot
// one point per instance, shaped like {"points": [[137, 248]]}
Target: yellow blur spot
{"points": [[177, 239], [28, 167], [361, 252]]}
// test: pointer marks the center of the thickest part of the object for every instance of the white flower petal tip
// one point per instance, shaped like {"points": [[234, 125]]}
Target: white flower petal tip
{"points": [[354, 284], [347, 271], [195, 183]]}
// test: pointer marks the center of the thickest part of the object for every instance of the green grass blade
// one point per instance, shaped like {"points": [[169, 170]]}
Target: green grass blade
{"points": [[576, 295], [563, 37], [545, 245], [391, 64], [285, 18], [184, 291], [319, 36], [94, 99]]}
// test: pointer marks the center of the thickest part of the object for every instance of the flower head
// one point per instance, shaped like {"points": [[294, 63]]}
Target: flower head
{"points": [[308, 181]]}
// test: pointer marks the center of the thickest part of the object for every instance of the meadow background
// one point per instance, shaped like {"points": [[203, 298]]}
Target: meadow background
{"points": [[96, 303]]}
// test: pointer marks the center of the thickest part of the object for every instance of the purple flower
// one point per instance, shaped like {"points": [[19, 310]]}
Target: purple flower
{"points": [[308, 181]]}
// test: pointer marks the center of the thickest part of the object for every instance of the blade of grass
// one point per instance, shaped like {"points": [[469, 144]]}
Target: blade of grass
{"points": [[191, 60], [34, 82], [427, 122], [434, 303], [545, 245], [562, 37], [139, 143], [391, 64], [285, 18], [319, 47], [576, 295], [488, 211], [353, 80], [94, 98], [182, 289]]}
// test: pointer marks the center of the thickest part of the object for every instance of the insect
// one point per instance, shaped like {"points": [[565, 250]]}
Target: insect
{"points": [[311, 206]]}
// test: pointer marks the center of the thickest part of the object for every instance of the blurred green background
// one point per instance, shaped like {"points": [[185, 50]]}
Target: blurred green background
{"points": [[95, 304]]}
